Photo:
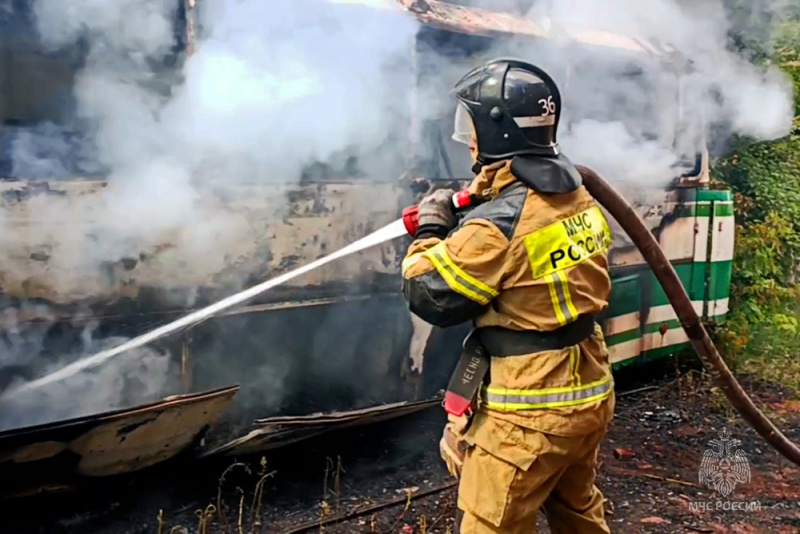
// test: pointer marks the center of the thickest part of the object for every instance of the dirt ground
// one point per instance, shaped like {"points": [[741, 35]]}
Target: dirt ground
{"points": [[388, 478]]}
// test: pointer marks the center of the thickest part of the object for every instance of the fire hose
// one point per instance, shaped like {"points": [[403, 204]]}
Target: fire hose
{"points": [[644, 240]]}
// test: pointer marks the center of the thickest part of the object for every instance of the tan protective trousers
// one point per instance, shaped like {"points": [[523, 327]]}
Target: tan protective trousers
{"points": [[503, 492]]}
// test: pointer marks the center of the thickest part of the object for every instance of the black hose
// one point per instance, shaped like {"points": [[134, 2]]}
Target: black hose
{"points": [[629, 220]]}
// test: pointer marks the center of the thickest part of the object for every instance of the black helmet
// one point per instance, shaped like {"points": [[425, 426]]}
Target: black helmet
{"points": [[513, 107]]}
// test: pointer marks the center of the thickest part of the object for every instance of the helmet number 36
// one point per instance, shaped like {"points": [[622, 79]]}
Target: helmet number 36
{"points": [[548, 106]]}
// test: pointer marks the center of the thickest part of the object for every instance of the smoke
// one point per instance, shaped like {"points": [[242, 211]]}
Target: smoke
{"points": [[137, 377], [271, 89], [641, 118], [198, 155], [722, 88]]}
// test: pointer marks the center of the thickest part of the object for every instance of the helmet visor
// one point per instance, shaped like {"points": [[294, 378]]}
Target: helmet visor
{"points": [[463, 128]]}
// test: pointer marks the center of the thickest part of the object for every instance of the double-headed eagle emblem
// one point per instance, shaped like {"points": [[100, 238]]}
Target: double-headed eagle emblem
{"points": [[721, 468]]}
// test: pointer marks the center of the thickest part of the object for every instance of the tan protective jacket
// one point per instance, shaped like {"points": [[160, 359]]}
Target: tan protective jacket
{"points": [[525, 261]]}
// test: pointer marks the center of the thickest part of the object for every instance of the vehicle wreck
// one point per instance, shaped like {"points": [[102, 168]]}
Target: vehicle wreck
{"points": [[56, 456], [248, 367]]}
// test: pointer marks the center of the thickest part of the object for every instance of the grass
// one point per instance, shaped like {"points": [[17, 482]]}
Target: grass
{"points": [[766, 347], [762, 337], [334, 472], [247, 519], [214, 519], [232, 512]]}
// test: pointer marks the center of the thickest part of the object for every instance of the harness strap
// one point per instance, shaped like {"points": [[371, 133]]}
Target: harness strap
{"points": [[467, 377], [502, 342]]}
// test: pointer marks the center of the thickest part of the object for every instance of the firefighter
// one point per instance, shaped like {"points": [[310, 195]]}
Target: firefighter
{"points": [[529, 269]]}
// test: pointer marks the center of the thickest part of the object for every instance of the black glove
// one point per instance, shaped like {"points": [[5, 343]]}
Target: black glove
{"points": [[436, 217]]}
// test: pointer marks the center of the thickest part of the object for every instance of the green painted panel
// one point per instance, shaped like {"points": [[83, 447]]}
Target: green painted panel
{"points": [[695, 286], [723, 209], [625, 298], [720, 280], [625, 295], [651, 355], [693, 210], [621, 302], [715, 194], [622, 337], [702, 280], [703, 210]]}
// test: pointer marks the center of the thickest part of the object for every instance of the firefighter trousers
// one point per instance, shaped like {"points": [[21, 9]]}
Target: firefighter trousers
{"points": [[509, 477]]}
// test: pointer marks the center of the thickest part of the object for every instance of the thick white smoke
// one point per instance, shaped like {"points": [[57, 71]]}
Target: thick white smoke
{"points": [[722, 87], [638, 118], [136, 377], [274, 86], [271, 88]]}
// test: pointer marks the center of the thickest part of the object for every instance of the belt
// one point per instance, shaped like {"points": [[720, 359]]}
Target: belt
{"points": [[484, 343], [501, 342]]}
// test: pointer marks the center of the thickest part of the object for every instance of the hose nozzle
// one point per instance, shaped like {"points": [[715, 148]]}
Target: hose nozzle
{"points": [[459, 202]]}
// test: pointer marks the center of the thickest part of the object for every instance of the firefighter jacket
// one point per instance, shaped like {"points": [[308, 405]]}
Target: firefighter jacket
{"points": [[525, 261]]}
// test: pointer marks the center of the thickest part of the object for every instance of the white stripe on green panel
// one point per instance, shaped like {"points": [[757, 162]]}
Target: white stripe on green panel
{"points": [[701, 239], [654, 340], [717, 308], [724, 232], [678, 239], [617, 326], [621, 323], [658, 314], [625, 351]]}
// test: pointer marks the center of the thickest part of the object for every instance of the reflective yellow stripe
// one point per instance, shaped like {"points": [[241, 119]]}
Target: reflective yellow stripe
{"points": [[508, 400], [410, 261], [551, 285], [456, 278], [565, 310], [574, 360], [562, 276], [513, 407], [546, 391]]}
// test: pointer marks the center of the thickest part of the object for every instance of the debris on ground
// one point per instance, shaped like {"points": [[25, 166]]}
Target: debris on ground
{"points": [[388, 478], [624, 454]]}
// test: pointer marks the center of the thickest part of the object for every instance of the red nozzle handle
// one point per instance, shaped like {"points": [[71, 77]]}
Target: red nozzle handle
{"points": [[461, 200], [411, 220]]}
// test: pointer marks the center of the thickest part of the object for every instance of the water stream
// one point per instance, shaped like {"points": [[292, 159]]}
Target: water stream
{"points": [[387, 233]]}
